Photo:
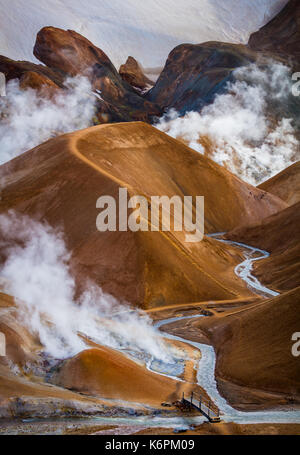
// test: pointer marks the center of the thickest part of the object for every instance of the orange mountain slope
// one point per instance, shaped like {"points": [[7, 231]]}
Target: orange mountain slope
{"points": [[254, 349], [285, 185], [97, 372], [61, 180], [23, 389], [110, 374]]}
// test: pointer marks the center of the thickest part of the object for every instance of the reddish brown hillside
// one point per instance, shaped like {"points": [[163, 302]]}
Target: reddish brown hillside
{"points": [[254, 350], [285, 185], [61, 180]]}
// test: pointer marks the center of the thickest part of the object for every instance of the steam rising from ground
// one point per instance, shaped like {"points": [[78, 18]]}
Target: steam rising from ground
{"points": [[27, 119], [242, 130], [37, 274]]}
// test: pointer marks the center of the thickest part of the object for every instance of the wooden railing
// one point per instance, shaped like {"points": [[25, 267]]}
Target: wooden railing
{"points": [[206, 407]]}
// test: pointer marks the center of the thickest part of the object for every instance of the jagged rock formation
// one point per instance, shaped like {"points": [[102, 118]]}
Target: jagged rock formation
{"points": [[69, 54], [192, 76], [32, 75], [195, 74], [132, 73]]}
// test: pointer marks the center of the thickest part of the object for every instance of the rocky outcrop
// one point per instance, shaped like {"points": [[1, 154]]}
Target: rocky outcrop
{"points": [[42, 84], [32, 75], [281, 35], [70, 54], [195, 73], [132, 73]]}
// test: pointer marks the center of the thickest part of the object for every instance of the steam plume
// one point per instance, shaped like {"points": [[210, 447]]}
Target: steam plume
{"points": [[246, 128], [28, 119], [37, 274]]}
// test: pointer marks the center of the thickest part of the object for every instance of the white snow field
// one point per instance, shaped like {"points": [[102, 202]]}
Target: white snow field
{"points": [[146, 29]]}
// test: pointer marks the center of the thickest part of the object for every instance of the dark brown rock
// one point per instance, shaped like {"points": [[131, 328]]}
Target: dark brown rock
{"points": [[281, 35], [36, 81], [132, 73], [70, 54], [195, 73], [38, 74]]}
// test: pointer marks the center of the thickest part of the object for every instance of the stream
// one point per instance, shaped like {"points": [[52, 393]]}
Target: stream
{"points": [[245, 268], [206, 367], [207, 363]]}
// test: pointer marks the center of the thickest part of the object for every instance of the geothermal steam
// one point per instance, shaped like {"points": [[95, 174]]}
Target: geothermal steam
{"points": [[28, 119], [243, 127], [36, 272]]}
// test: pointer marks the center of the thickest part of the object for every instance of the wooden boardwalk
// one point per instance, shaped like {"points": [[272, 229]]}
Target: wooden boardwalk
{"points": [[207, 408]]}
